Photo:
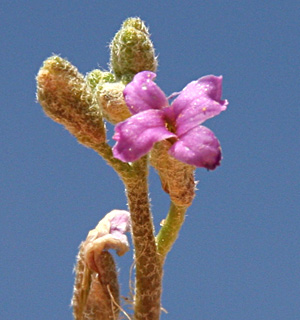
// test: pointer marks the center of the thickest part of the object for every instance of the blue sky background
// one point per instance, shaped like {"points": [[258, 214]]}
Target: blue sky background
{"points": [[238, 255]]}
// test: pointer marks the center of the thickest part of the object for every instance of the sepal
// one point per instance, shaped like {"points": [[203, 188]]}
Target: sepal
{"points": [[177, 178]]}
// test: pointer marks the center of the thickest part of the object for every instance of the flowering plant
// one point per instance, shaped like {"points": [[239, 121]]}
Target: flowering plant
{"points": [[148, 131]]}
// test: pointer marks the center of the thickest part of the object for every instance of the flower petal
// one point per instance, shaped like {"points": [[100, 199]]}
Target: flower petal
{"points": [[136, 135], [108, 234], [119, 223], [197, 102], [143, 94], [198, 147]]}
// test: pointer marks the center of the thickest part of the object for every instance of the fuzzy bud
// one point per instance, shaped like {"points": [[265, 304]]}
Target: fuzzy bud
{"points": [[66, 99], [111, 101], [97, 76], [109, 95], [177, 178], [132, 50]]}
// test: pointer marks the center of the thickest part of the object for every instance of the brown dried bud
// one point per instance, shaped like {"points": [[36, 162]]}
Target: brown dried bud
{"points": [[96, 297], [96, 289]]}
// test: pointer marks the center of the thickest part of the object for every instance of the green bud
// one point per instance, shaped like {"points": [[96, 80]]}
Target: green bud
{"points": [[66, 99], [97, 76], [132, 50]]}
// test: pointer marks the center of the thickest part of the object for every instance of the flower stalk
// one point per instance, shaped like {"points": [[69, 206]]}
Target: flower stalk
{"points": [[170, 229], [147, 262]]}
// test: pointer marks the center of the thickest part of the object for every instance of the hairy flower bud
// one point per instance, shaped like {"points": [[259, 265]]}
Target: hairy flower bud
{"points": [[66, 99], [177, 178], [97, 76], [109, 95], [111, 101], [132, 50]]}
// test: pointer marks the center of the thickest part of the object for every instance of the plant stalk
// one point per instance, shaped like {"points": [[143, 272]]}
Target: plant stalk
{"points": [[148, 283]]}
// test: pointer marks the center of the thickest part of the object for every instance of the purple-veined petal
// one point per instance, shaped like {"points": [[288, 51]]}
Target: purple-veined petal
{"points": [[197, 102], [198, 147], [143, 94], [136, 135]]}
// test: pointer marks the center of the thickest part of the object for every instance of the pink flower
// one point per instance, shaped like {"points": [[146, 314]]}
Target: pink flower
{"points": [[155, 120]]}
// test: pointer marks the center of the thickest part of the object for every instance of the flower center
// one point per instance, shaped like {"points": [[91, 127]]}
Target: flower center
{"points": [[170, 126]]}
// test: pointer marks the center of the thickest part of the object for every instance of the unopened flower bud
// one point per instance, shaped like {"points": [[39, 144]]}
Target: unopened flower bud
{"points": [[97, 76], [132, 50], [111, 101], [177, 178], [66, 99], [109, 95]]}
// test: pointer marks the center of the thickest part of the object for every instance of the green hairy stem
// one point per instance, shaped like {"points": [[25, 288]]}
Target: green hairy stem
{"points": [[170, 229]]}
